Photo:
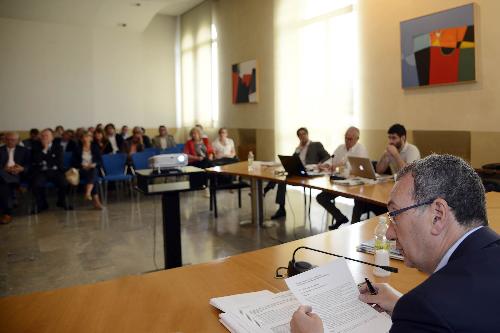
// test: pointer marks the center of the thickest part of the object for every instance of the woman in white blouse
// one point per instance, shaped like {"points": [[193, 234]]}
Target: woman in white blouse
{"points": [[223, 146]]}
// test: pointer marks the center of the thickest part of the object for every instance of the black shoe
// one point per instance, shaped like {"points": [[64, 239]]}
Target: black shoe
{"points": [[338, 224], [64, 206], [281, 212]]}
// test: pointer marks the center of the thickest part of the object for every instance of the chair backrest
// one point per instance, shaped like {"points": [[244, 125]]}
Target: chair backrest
{"points": [[180, 147], [154, 151], [171, 150], [67, 159], [140, 160], [114, 164]]}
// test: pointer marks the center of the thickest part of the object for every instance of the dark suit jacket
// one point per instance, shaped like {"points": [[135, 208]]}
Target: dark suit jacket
{"points": [[147, 141], [70, 147], [21, 157], [54, 158], [463, 296], [77, 156], [316, 153]]}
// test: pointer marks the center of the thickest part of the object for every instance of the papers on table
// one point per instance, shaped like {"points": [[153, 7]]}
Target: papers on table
{"points": [[333, 295], [369, 247], [329, 289]]}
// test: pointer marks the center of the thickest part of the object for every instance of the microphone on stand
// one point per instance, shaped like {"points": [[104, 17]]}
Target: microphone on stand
{"points": [[297, 267]]}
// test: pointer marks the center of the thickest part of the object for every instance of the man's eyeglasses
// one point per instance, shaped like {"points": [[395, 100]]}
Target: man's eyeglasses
{"points": [[391, 215]]}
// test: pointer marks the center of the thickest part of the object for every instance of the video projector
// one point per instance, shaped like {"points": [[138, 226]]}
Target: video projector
{"points": [[168, 161]]}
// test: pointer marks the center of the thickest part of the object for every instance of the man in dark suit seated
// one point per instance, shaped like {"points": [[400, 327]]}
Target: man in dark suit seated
{"points": [[33, 139], [14, 162], [66, 142], [437, 213], [309, 152], [48, 165], [115, 140]]}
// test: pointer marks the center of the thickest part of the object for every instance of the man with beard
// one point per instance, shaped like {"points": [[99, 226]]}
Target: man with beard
{"points": [[398, 152]]}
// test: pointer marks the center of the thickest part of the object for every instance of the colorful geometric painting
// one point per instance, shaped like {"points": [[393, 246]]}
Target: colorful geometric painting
{"points": [[439, 48], [245, 82]]}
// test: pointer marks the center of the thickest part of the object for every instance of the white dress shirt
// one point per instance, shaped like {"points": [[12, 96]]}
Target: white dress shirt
{"points": [[114, 145], [302, 151], [11, 162]]}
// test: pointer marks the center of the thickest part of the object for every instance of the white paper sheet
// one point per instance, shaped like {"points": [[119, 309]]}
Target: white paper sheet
{"points": [[333, 295]]}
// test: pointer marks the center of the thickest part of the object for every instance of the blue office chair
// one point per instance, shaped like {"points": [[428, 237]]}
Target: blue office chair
{"points": [[140, 160], [180, 147], [171, 150], [115, 170], [152, 150]]}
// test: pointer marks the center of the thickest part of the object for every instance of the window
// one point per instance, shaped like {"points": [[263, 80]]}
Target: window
{"points": [[315, 70]]}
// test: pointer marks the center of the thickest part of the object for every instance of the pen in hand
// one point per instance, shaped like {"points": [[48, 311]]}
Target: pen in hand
{"points": [[371, 289]]}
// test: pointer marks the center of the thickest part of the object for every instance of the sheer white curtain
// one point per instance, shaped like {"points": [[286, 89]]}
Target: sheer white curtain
{"points": [[316, 70], [199, 79]]}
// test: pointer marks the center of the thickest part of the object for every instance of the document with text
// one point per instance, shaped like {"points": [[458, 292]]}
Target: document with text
{"points": [[333, 295]]}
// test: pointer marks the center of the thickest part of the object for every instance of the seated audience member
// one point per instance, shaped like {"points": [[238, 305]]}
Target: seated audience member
{"points": [[124, 132], [224, 148], [2, 139], [99, 127], [202, 131], [163, 140], [33, 139], [47, 165], [102, 142], [58, 132], [146, 140], [78, 134], [199, 150], [397, 154], [133, 144], [437, 214], [14, 163], [91, 130], [309, 152], [114, 139], [351, 147], [87, 159], [65, 141]]}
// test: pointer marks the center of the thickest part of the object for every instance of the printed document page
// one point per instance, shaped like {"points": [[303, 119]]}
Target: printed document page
{"points": [[333, 295], [274, 314]]}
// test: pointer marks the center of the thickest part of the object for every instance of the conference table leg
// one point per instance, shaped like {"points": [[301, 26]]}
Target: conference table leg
{"points": [[172, 249], [257, 202]]}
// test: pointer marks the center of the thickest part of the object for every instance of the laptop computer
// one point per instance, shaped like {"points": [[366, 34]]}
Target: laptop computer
{"points": [[294, 167], [363, 167]]}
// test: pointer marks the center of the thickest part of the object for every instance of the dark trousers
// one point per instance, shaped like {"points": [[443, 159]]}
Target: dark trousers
{"points": [[54, 176], [327, 200], [280, 194], [89, 176], [201, 178], [8, 183], [361, 207]]}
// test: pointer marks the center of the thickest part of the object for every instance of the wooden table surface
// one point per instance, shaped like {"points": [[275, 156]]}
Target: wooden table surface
{"points": [[377, 194], [177, 300]]}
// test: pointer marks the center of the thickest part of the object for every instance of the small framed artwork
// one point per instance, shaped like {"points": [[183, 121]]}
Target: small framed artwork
{"points": [[439, 48], [245, 87]]}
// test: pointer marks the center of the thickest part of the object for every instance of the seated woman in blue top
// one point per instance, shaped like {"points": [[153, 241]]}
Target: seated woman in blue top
{"points": [[87, 159]]}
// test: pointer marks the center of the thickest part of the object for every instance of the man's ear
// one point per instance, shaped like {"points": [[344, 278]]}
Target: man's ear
{"points": [[439, 215]]}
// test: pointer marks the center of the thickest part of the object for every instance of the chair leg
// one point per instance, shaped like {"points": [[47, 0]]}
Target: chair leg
{"points": [[216, 214], [239, 197]]}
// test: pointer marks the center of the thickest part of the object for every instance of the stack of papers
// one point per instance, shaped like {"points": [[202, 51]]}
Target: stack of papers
{"points": [[369, 247], [329, 289]]}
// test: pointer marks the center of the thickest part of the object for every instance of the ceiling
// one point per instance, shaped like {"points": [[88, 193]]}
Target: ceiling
{"points": [[136, 14]]}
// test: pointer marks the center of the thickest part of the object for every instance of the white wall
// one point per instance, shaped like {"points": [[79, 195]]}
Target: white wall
{"points": [[63, 74]]}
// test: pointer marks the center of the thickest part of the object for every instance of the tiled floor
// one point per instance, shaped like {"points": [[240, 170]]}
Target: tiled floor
{"points": [[57, 249]]}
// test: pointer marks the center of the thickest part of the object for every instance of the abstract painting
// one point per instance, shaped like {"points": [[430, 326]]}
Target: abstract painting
{"points": [[245, 82], [439, 48]]}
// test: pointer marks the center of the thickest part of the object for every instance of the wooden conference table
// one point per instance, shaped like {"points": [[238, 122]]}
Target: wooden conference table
{"points": [[177, 300], [377, 194]]}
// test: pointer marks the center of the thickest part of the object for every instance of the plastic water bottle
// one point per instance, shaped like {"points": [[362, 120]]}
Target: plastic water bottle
{"points": [[381, 247], [250, 161]]}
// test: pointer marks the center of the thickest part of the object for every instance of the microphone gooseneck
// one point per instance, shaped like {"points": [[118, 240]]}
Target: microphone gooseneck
{"points": [[301, 266]]}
